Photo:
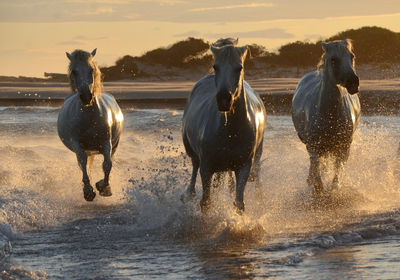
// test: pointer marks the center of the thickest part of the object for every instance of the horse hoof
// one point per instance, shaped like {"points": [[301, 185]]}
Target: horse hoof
{"points": [[88, 193], [103, 188], [239, 205], [187, 197]]}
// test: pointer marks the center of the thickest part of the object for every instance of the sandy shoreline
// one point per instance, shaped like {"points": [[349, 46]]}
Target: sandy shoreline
{"points": [[377, 96]]}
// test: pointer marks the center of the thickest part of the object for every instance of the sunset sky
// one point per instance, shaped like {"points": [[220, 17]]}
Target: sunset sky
{"points": [[36, 34]]}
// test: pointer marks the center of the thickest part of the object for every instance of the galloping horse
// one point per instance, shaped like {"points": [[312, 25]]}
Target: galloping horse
{"points": [[326, 109], [89, 122], [223, 123]]}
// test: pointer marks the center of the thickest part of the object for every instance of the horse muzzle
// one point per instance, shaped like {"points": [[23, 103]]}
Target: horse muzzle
{"points": [[86, 98], [224, 101], [353, 85]]}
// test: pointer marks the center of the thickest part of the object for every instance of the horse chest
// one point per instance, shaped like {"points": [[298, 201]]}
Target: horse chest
{"points": [[93, 134], [229, 151]]}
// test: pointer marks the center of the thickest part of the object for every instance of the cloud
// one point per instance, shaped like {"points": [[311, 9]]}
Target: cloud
{"points": [[363, 16], [99, 1], [241, 6], [82, 40], [100, 11], [160, 2], [272, 33], [190, 11], [188, 34], [313, 36], [72, 43], [165, 2]]}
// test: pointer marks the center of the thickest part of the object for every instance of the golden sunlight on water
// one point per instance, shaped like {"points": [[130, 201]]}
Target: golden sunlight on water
{"points": [[144, 229]]}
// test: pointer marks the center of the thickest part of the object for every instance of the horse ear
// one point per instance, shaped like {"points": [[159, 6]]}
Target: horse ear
{"points": [[324, 46], [348, 43], [243, 51], [68, 55], [236, 41], [93, 53], [214, 50]]}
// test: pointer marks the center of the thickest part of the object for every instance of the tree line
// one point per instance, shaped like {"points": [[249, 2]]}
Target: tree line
{"points": [[372, 45]]}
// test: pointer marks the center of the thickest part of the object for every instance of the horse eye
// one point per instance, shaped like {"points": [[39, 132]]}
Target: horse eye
{"points": [[334, 60], [239, 68], [73, 72], [215, 67]]}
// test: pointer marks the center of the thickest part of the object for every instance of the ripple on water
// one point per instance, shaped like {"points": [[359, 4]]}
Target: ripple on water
{"points": [[144, 229]]}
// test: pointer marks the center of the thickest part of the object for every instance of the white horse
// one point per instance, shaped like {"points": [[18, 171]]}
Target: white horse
{"points": [[326, 109], [223, 123], [90, 122]]}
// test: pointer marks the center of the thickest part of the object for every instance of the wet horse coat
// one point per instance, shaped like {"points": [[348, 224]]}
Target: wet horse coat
{"points": [[223, 123], [90, 122], [326, 109]]}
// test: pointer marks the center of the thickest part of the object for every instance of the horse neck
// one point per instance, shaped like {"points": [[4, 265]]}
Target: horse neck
{"points": [[330, 96]]}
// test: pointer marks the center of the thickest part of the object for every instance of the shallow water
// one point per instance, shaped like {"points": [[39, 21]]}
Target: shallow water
{"points": [[144, 231]]}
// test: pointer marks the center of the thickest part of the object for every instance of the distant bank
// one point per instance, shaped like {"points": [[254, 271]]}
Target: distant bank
{"points": [[377, 96]]}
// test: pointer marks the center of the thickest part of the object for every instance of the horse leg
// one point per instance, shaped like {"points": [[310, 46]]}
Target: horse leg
{"points": [[206, 176], [231, 182], [314, 177], [255, 170], [217, 179], [338, 167], [191, 191], [82, 157], [103, 185], [89, 164], [339, 162], [242, 175]]}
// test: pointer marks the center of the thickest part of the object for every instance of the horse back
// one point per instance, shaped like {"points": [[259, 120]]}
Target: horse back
{"points": [[200, 112], [303, 103]]}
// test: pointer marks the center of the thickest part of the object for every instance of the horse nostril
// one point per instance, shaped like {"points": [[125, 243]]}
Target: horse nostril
{"points": [[352, 86]]}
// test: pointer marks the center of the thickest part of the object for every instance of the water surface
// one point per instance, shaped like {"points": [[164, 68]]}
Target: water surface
{"points": [[144, 231]]}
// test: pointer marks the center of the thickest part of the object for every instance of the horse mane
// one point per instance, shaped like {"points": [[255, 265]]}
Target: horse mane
{"points": [[80, 56], [225, 42], [343, 45]]}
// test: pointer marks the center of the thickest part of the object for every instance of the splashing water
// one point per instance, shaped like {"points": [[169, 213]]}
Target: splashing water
{"points": [[144, 229]]}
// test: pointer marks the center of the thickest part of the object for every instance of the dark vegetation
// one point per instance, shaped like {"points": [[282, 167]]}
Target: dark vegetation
{"points": [[373, 45], [183, 54]]}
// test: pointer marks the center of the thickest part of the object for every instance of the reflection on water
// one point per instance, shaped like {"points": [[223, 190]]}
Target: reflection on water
{"points": [[144, 230]]}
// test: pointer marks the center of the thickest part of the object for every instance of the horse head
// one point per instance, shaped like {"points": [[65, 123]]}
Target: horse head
{"points": [[338, 60], [84, 76], [228, 67]]}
